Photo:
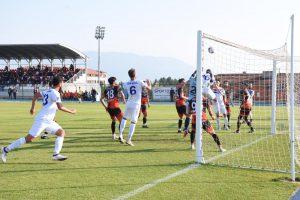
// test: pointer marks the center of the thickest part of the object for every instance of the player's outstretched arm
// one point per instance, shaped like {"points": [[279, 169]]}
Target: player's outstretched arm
{"points": [[64, 109], [102, 101], [148, 86], [34, 99], [123, 96]]}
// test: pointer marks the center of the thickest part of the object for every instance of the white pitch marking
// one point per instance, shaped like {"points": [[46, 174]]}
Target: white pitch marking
{"points": [[183, 171]]}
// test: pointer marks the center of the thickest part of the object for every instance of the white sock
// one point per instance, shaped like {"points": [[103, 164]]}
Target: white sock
{"points": [[225, 121], [122, 127], [131, 131], [16, 144], [218, 123], [58, 144]]}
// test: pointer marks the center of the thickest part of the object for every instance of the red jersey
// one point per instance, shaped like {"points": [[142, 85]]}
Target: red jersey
{"points": [[111, 94], [145, 96], [180, 101]]}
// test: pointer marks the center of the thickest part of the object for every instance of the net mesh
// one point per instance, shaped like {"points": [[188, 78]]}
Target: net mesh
{"points": [[239, 65]]}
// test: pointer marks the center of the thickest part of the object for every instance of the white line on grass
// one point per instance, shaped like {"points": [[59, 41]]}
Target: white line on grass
{"points": [[296, 195], [183, 171]]}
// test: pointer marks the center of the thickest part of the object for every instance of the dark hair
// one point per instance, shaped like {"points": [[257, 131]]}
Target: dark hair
{"points": [[180, 80], [131, 73], [209, 71], [56, 81], [111, 80], [218, 79]]}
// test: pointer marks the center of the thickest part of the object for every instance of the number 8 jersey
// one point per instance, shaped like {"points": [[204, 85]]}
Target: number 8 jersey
{"points": [[48, 111], [134, 90]]}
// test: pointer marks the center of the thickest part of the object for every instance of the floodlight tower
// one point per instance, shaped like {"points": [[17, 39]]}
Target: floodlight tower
{"points": [[99, 35]]}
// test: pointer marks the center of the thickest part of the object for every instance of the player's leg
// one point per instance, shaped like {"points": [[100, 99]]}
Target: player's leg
{"points": [[55, 129], [249, 123], [224, 113], [206, 125], [145, 114], [34, 132], [239, 122], [134, 118], [187, 118], [193, 132], [112, 114], [216, 106], [126, 116], [228, 110], [181, 110]]}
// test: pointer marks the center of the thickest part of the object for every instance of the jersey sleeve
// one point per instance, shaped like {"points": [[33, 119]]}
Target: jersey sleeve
{"points": [[143, 84], [55, 97]]}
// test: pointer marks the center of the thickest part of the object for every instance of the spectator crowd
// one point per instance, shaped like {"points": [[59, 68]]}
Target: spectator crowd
{"points": [[35, 75]]}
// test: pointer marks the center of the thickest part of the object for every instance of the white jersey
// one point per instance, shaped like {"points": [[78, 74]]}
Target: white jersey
{"points": [[207, 80], [220, 94], [251, 95], [134, 89], [48, 111]]}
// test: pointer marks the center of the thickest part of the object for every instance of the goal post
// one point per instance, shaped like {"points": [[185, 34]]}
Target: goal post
{"points": [[263, 137]]}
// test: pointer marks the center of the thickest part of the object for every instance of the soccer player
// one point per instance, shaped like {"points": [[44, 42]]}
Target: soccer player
{"points": [[44, 121], [227, 100], [111, 94], [180, 102], [219, 105], [245, 110], [207, 80], [133, 104], [144, 104], [205, 125]]}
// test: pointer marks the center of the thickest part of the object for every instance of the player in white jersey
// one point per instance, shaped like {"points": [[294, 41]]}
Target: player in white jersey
{"points": [[207, 80], [133, 104], [44, 121], [219, 105]]}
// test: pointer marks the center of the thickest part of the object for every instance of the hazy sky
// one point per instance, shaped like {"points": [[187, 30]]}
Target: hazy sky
{"points": [[156, 27]]}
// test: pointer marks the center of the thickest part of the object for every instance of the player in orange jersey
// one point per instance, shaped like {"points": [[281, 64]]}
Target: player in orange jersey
{"points": [[180, 102], [144, 105], [111, 95]]}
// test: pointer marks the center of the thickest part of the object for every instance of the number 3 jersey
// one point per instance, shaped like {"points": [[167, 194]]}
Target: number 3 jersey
{"points": [[48, 111], [111, 94], [134, 90]]}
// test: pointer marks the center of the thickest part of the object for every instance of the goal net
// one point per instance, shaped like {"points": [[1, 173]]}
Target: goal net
{"points": [[267, 73]]}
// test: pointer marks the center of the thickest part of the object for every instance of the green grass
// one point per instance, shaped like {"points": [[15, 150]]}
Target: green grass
{"points": [[99, 168]]}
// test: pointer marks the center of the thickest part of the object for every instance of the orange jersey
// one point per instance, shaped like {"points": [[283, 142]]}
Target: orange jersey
{"points": [[180, 101], [145, 100], [111, 94], [145, 97]]}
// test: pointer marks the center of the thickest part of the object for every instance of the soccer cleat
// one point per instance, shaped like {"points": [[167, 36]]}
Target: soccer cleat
{"points": [[130, 143], [252, 130], [145, 126], [114, 137], [59, 157], [185, 133], [193, 146], [179, 131], [121, 140], [222, 150], [44, 136], [3, 155], [237, 131]]}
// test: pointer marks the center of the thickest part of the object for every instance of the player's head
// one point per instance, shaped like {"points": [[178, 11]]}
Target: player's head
{"points": [[112, 80], [131, 74], [245, 86], [208, 71], [181, 81], [57, 82]]}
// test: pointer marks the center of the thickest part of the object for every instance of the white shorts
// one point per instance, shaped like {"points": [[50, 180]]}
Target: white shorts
{"points": [[132, 112], [42, 125], [208, 93], [220, 108]]}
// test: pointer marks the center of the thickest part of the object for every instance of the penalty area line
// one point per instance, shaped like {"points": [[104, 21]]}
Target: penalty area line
{"points": [[183, 171]]}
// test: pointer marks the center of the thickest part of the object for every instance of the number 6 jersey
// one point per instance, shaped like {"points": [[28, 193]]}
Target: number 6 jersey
{"points": [[134, 90], [48, 111]]}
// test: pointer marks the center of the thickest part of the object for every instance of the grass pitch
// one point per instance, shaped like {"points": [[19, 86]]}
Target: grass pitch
{"points": [[99, 168]]}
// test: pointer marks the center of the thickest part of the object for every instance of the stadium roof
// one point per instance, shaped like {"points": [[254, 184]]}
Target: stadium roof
{"points": [[38, 51]]}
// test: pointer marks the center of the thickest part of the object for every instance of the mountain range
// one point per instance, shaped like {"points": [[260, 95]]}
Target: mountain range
{"points": [[148, 67]]}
